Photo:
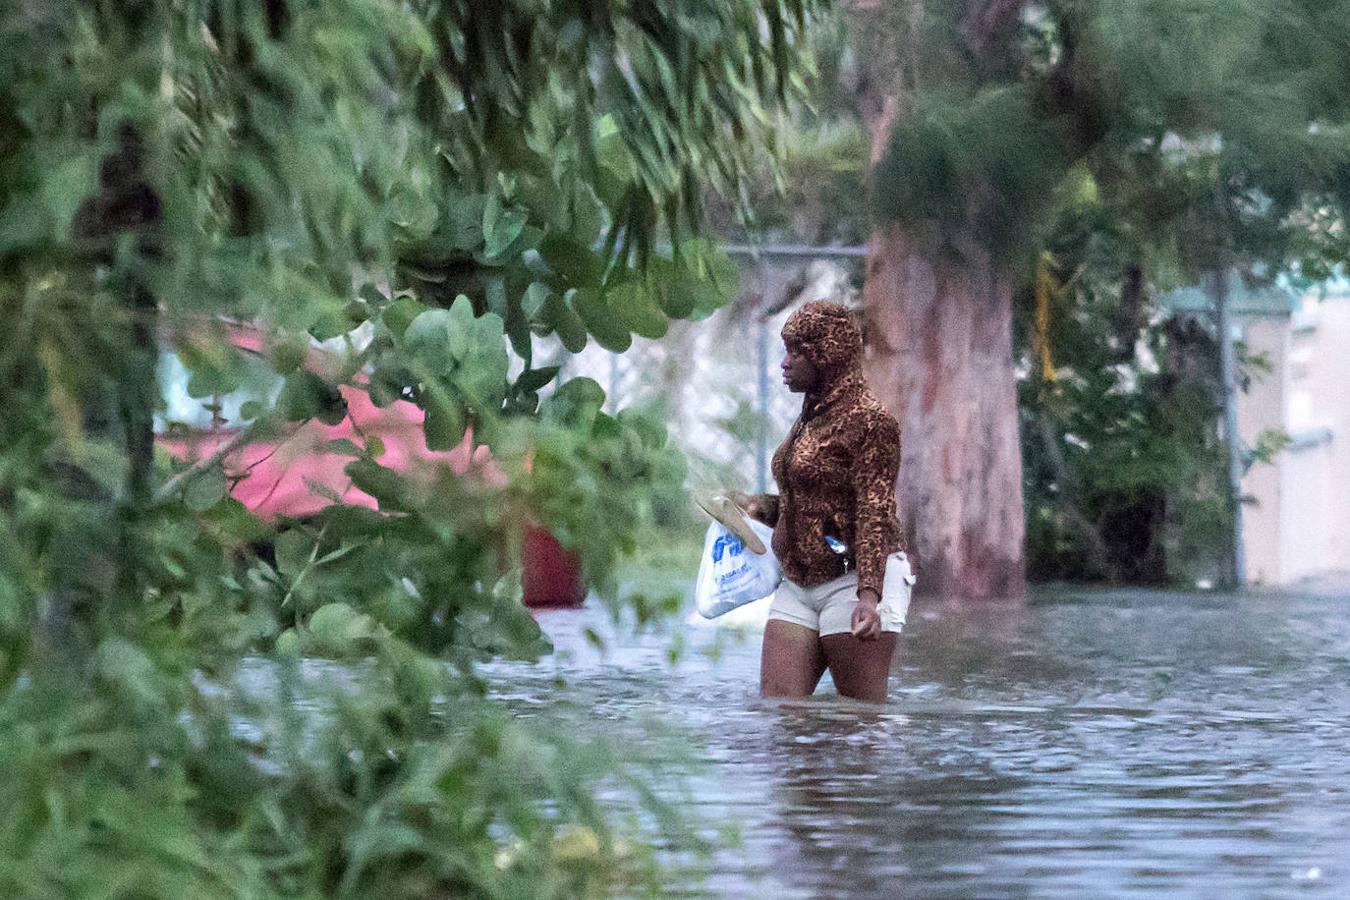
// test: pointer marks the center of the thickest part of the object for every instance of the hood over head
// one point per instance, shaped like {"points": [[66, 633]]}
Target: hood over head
{"points": [[827, 334]]}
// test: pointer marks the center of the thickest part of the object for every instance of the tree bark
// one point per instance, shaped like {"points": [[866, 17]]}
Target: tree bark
{"points": [[940, 355]]}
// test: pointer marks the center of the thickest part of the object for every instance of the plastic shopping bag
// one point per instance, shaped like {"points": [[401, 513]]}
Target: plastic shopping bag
{"points": [[730, 575]]}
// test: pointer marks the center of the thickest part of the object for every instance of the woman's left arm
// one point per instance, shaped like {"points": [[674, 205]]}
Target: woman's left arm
{"points": [[874, 473]]}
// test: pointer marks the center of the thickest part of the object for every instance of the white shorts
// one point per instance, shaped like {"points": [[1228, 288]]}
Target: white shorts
{"points": [[828, 608]]}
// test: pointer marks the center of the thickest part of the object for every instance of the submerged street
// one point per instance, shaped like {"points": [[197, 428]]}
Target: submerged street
{"points": [[1096, 743]]}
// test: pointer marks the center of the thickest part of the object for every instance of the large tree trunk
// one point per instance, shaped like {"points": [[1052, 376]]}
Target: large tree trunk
{"points": [[940, 357]]}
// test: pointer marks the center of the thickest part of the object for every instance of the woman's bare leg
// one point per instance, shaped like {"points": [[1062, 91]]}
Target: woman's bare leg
{"points": [[791, 662], [860, 669]]}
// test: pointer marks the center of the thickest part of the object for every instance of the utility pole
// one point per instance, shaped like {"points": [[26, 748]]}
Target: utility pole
{"points": [[762, 437], [1228, 375]]}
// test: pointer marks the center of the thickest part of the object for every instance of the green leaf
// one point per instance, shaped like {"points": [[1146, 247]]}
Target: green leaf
{"points": [[307, 396], [380, 843], [319, 489], [24, 223], [335, 555], [384, 484], [601, 321], [129, 671], [518, 333], [648, 427], [292, 549], [439, 338], [465, 217], [428, 340], [344, 446], [524, 404], [492, 211], [688, 294], [634, 307], [576, 263], [607, 427], [339, 629], [718, 267], [205, 489], [559, 315], [587, 216], [67, 184], [204, 383], [501, 226], [536, 295], [330, 322], [216, 368], [288, 352], [400, 314], [577, 401], [287, 643], [483, 375], [386, 385], [532, 380], [445, 421], [496, 296]]}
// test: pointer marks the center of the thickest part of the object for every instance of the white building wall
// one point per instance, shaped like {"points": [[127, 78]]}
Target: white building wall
{"points": [[1306, 512], [1330, 378], [1261, 407], [1299, 523]]}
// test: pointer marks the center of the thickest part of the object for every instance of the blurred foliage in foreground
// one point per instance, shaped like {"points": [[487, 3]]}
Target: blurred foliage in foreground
{"points": [[450, 182]]}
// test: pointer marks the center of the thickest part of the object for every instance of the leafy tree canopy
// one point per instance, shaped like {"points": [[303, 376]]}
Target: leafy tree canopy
{"points": [[1159, 102]]}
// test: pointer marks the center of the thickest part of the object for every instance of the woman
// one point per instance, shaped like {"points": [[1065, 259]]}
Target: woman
{"points": [[835, 531]]}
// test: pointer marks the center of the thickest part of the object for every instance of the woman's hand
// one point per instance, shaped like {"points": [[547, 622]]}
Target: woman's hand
{"points": [[748, 504], [866, 619]]}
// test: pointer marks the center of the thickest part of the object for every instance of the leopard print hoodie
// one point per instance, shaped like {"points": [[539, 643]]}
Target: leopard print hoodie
{"points": [[838, 466]]}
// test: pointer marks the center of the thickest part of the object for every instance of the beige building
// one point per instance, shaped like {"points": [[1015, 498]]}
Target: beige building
{"points": [[1297, 523]]}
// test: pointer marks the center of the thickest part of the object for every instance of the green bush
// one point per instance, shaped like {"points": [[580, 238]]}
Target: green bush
{"points": [[436, 188]]}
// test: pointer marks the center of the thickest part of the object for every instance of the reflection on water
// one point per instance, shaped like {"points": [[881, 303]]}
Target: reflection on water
{"points": [[1096, 743]]}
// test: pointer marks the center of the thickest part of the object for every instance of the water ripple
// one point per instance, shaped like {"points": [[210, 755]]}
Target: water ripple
{"points": [[1095, 744]]}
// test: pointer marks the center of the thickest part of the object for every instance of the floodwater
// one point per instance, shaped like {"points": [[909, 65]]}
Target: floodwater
{"points": [[1094, 743]]}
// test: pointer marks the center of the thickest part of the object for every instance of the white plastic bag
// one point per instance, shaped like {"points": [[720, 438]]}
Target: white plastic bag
{"points": [[896, 589], [731, 575]]}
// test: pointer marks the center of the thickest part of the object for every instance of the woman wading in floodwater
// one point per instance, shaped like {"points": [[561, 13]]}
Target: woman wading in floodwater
{"points": [[835, 531]]}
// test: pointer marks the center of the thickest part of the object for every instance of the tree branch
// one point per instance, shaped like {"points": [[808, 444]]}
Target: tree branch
{"points": [[1098, 559], [173, 485], [1131, 313]]}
